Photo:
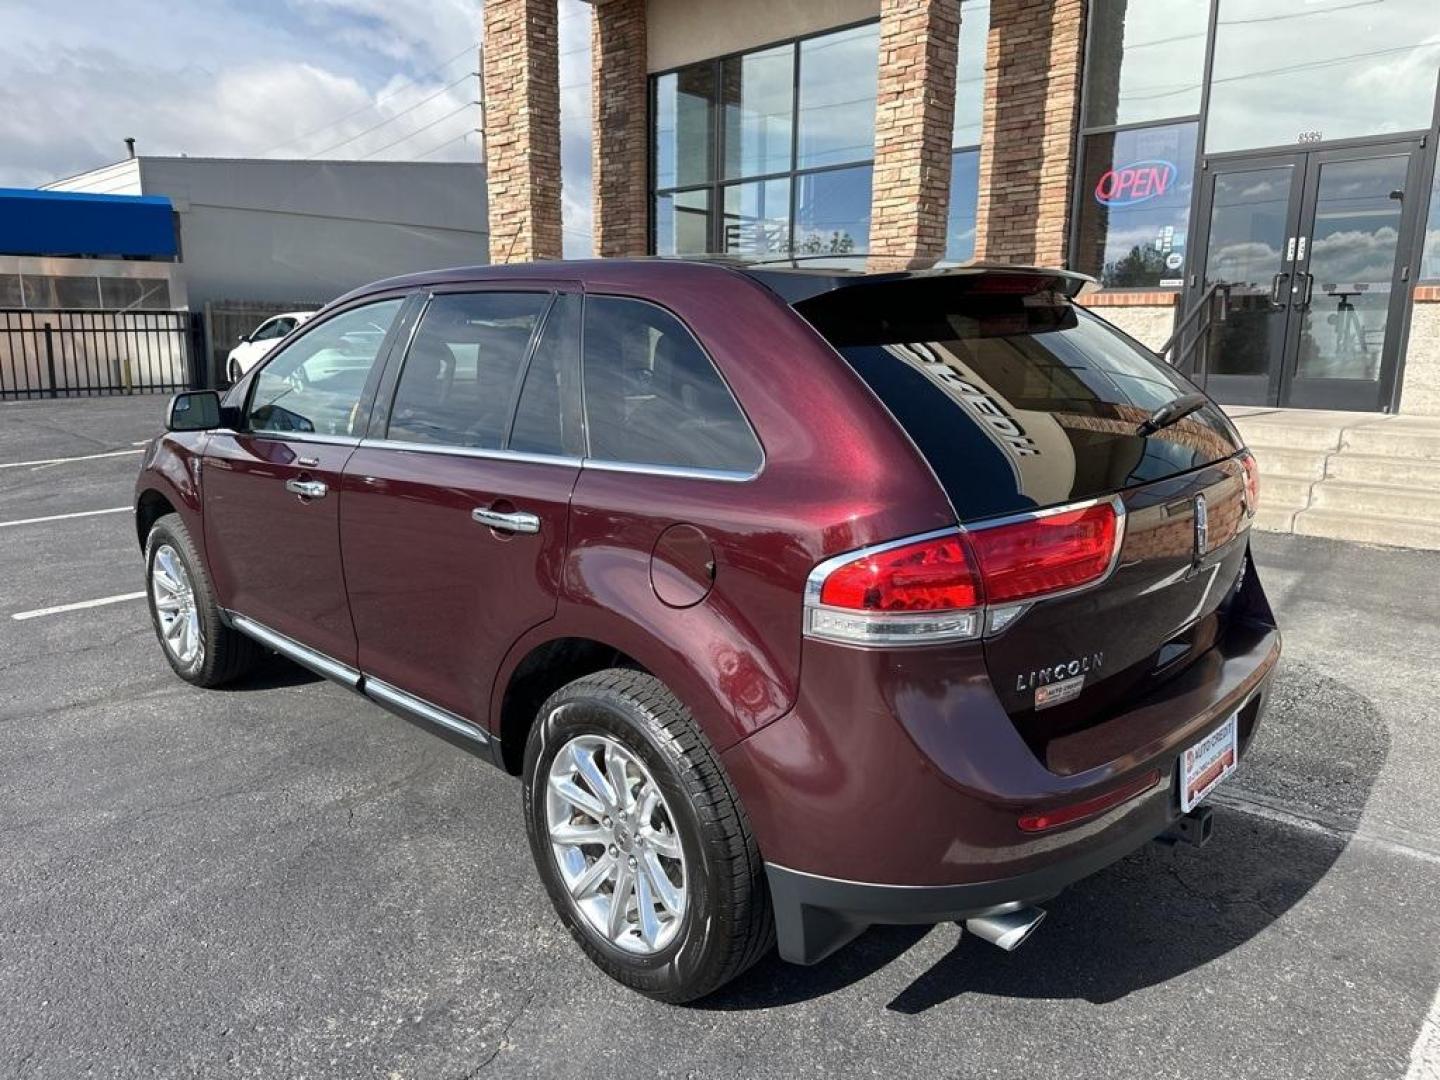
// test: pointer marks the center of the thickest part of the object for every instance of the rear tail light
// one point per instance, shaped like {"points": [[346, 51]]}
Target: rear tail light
{"points": [[1053, 553], [1252, 481], [1045, 820], [937, 587]]}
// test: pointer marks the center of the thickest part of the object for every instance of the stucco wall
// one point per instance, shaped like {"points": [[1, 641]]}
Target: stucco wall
{"points": [[1150, 326], [1420, 390], [682, 31]]}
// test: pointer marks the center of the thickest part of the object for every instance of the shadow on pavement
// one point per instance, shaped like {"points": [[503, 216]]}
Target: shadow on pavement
{"points": [[1163, 911], [274, 672]]}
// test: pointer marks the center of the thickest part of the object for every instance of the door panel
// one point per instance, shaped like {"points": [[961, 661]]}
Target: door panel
{"points": [[1348, 293], [1314, 247], [274, 554], [438, 597], [272, 489], [1252, 210]]}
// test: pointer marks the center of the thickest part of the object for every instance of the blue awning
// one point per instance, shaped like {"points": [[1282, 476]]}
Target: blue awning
{"points": [[73, 223]]}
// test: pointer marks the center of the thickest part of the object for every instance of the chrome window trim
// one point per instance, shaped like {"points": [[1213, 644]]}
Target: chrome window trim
{"points": [[287, 646], [393, 695], [297, 436], [991, 624], [684, 472], [484, 453]]}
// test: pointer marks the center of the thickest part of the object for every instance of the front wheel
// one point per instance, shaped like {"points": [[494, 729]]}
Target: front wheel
{"points": [[640, 840], [197, 643]]}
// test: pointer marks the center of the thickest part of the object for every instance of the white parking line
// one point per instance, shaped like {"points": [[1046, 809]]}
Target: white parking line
{"points": [[64, 460], [78, 606], [64, 517], [1425, 1057]]}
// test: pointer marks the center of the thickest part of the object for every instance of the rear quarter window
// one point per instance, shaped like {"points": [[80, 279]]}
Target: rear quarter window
{"points": [[652, 396]]}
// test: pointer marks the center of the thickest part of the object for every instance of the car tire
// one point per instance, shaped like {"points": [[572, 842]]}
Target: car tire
{"points": [[725, 923], [178, 588]]}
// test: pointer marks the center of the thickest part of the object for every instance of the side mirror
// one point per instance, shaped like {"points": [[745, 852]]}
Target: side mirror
{"points": [[244, 339], [193, 410]]}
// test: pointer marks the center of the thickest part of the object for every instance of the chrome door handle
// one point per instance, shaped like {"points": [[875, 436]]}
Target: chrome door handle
{"points": [[518, 522], [307, 489]]}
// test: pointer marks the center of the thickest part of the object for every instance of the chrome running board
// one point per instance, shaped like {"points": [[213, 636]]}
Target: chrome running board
{"points": [[382, 693], [291, 649], [395, 698]]}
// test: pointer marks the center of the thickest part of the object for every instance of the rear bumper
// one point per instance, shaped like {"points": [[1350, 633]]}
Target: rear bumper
{"points": [[816, 915]]}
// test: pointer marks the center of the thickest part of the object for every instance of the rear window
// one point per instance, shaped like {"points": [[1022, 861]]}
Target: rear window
{"points": [[1016, 401]]}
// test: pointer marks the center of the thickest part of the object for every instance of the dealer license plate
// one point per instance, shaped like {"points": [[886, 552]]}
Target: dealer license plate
{"points": [[1208, 762]]}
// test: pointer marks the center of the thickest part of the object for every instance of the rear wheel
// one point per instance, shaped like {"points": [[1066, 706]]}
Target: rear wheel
{"points": [[198, 645], [640, 839]]}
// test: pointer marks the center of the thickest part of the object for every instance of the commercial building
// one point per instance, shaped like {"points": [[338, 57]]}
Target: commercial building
{"points": [[1274, 155], [282, 231]]}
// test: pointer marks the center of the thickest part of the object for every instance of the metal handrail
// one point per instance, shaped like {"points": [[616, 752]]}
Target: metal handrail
{"points": [[1206, 304]]}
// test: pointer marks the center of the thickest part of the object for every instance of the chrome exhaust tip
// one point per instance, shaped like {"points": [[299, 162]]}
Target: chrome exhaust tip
{"points": [[1007, 929]]}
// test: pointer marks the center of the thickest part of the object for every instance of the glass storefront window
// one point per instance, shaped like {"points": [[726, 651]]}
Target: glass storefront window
{"points": [[1299, 71], [757, 92], [682, 223], [1135, 206], [757, 218], [964, 199], [832, 212], [1430, 258], [838, 74], [1147, 61], [683, 101], [10, 294], [970, 72], [772, 187]]}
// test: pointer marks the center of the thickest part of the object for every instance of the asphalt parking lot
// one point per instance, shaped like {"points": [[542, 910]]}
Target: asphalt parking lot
{"points": [[282, 880]]}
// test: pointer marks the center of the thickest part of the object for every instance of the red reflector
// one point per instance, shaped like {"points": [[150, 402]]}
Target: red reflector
{"points": [[1046, 554], [931, 575], [1252, 481], [1068, 815]]}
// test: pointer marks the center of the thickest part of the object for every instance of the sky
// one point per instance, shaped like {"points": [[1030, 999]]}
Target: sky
{"points": [[354, 79]]}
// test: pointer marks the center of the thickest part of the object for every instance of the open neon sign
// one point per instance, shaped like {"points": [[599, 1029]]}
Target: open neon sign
{"points": [[1138, 182]]}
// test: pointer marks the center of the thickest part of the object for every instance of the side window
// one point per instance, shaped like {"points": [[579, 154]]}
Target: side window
{"points": [[271, 330], [315, 384], [652, 397], [547, 420], [462, 371]]}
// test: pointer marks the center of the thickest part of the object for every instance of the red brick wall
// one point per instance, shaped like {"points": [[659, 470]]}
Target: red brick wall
{"points": [[1027, 155], [619, 91], [522, 129], [914, 108]]}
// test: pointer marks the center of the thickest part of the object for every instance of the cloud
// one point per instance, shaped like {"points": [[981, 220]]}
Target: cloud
{"points": [[292, 77]]}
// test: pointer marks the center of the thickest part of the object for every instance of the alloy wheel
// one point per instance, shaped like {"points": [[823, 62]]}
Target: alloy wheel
{"points": [[175, 606], [614, 840]]}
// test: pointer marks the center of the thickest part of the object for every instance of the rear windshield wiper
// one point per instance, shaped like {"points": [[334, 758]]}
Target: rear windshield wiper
{"points": [[1172, 411]]}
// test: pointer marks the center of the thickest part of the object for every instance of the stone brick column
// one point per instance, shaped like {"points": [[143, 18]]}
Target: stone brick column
{"points": [[522, 129], [914, 111], [619, 92], [1027, 154]]}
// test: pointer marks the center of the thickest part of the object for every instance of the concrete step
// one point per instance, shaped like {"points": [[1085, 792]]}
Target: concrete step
{"points": [[1285, 492], [1288, 435], [1380, 469], [1385, 500], [1285, 461], [1368, 528], [1274, 519], [1410, 442]]}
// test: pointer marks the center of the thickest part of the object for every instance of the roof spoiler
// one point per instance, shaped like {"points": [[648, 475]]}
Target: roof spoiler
{"points": [[975, 280]]}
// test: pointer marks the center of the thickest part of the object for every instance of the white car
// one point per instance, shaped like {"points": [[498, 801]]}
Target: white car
{"points": [[252, 347]]}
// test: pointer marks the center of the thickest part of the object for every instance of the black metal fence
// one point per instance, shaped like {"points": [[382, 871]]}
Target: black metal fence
{"points": [[90, 353]]}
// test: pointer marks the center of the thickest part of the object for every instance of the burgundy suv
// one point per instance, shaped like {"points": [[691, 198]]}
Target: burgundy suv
{"points": [[801, 599]]}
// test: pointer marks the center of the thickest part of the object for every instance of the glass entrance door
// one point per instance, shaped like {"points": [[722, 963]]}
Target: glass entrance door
{"points": [[1313, 248]]}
